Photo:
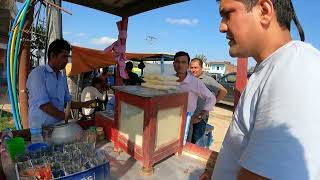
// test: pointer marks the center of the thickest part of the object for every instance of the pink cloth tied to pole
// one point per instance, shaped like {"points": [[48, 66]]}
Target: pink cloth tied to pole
{"points": [[119, 47]]}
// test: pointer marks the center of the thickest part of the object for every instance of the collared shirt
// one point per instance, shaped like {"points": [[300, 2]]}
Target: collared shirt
{"points": [[212, 85], [91, 93], [196, 89], [44, 85]]}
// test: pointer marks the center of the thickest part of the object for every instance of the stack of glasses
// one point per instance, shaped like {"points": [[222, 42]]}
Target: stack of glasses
{"points": [[60, 160]]}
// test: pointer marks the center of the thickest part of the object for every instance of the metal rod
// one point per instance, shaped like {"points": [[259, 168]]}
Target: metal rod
{"points": [[58, 7]]}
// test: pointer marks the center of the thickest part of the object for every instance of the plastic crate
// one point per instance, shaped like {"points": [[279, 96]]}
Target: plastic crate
{"points": [[101, 172]]}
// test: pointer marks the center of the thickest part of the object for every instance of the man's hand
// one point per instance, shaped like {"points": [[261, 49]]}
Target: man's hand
{"points": [[78, 105], [88, 103], [198, 117], [195, 119], [206, 175], [52, 111]]}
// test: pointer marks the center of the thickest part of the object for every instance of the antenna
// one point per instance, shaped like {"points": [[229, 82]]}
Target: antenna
{"points": [[150, 39]]}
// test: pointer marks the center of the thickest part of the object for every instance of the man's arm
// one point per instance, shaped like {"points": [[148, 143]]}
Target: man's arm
{"points": [[198, 117], [216, 87], [244, 174], [221, 93], [78, 105], [206, 94], [210, 101], [52, 111]]}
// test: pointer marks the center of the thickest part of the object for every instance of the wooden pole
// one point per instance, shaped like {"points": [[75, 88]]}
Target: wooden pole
{"points": [[24, 69]]}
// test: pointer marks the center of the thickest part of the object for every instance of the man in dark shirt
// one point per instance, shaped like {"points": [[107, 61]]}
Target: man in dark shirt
{"points": [[133, 77]]}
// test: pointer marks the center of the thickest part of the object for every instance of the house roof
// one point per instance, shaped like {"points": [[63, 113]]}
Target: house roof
{"points": [[124, 8]]}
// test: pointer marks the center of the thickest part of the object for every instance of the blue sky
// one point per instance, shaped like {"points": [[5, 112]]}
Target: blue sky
{"points": [[191, 26]]}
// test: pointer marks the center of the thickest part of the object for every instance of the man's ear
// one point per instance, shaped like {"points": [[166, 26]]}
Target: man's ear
{"points": [[266, 12], [52, 55]]}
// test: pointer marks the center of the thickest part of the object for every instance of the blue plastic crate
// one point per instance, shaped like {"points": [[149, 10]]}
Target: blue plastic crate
{"points": [[101, 172]]}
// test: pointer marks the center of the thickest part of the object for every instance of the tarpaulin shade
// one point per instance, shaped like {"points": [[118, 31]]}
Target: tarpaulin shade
{"points": [[125, 8], [86, 60]]}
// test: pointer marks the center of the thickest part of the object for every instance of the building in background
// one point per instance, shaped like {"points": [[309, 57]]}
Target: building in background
{"points": [[220, 68]]}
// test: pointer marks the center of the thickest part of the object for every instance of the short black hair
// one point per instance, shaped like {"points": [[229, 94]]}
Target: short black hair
{"points": [[198, 60], [95, 81], [181, 53], [105, 70], [129, 65], [57, 46], [283, 10]]}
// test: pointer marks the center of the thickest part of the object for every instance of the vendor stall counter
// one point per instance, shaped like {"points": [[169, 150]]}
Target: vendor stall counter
{"points": [[149, 124]]}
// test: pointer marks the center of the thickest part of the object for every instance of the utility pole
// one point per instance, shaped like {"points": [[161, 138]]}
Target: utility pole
{"points": [[24, 67]]}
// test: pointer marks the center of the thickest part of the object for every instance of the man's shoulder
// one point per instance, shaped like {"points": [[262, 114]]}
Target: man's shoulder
{"points": [[37, 72], [192, 78], [206, 77], [39, 69], [208, 80], [302, 50]]}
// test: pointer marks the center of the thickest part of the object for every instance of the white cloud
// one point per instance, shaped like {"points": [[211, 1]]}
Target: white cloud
{"points": [[80, 34], [66, 33], [104, 40], [183, 21]]}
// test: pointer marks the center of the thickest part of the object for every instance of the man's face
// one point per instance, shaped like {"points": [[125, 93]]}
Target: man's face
{"points": [[181, 64], [61, 59], [240, 27], [195, 68]]}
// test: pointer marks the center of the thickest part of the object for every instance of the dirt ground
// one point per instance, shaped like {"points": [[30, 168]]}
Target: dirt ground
{"points": [[220, 118]]}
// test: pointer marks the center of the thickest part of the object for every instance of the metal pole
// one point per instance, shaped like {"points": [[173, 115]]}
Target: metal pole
{"points": [[24, 69], [162, 64]]}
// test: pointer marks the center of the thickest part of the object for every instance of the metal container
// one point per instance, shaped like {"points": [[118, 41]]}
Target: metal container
{"points": [[66, 133]]}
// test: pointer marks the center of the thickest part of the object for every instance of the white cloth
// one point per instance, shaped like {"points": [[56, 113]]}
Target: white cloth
{"points": [[275, 129], [91, 93]]}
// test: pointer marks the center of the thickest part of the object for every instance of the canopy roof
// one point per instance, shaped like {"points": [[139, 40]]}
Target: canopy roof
{"points": [[125, 8], [85, 59]]}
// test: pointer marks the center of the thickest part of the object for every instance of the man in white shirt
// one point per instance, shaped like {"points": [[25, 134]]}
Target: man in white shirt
{"points": [[95, 91], [275, 127], [195, 88]]}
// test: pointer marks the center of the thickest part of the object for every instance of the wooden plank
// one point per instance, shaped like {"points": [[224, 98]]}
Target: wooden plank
{"points": [[149, 127], [165, 152], [202, 153], [130, 148]]}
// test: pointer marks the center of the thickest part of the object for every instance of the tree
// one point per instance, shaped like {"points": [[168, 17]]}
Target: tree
{"points": [[38, 44], [202, 57]]}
